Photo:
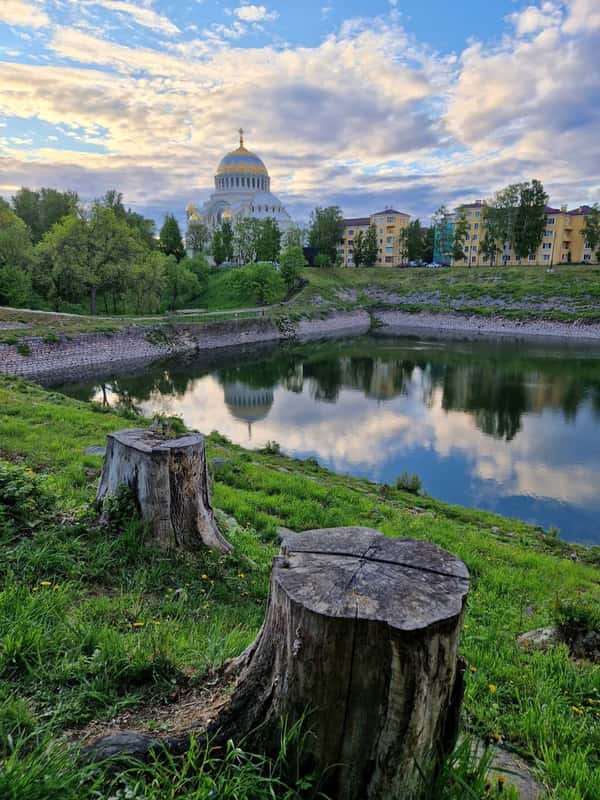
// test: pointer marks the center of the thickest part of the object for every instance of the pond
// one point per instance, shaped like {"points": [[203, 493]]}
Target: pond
{"points": [[501, 426]]}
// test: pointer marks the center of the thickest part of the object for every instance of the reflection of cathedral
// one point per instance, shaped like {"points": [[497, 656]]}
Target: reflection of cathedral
{"points": [[247, 404], [242, 190]]}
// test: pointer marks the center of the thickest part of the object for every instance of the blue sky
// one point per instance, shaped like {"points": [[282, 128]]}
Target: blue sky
{"points": [[404, 103]]}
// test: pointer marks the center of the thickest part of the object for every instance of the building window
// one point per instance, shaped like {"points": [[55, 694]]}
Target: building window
{"points": [[475, 226], [550, 221], [547, 246], [237, 181], [587, 257], [532, 257], [547, 233], [546, 257], [473, 248], [473, 259], [389, 239], [389, 220], [388, 259], [474, 237], [478, 213]]}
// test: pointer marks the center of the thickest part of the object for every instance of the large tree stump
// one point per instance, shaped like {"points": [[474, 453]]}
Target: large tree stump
{"points": [[362, 632], [169, 478]]}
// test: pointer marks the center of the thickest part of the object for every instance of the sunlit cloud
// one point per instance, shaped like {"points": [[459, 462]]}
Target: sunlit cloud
{"points": [[24, 13]]}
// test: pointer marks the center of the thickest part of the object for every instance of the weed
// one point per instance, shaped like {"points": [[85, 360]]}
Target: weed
{"points": [[24, 349], [409, 482]]}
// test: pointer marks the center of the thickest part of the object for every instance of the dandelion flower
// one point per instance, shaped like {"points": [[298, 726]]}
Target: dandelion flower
{"points": [[493, 688], [204, 577], [472, 668], [45, 583], [138, 624]]}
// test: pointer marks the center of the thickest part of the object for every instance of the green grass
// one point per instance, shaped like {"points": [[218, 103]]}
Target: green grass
{"points": [[93, 622]]}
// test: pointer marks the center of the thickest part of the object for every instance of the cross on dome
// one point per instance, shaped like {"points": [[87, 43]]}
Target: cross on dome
{"points": [[241, 133]]}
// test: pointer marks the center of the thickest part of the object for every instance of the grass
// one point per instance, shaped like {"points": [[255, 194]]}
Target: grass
{"points": [[93, 622], [566, 294]]}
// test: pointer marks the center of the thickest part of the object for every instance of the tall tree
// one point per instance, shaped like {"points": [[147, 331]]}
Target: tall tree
{"points": [[428, 244], [245, 240], [371, 248], [460, 238], [358, 249], [181, 284], [326, 231], [15, 259], [217, 247], [294, 237], [443, 233], [268, 240], [171, 242], [530, 220], [591, 230], [145, 227], [147, 283], [292, 264], [414, 240], [41, 210], [228, 237], [197, 237]]}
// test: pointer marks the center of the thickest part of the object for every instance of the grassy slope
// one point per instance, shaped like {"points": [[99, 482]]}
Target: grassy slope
{"points": [[71, 651], [577, 288]]}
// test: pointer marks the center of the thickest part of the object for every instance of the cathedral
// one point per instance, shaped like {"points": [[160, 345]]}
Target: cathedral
{"points": [[242, 190]]}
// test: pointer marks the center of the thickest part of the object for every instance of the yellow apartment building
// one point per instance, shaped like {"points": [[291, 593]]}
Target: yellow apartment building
{"points": [[563, 241], [388, 223]]}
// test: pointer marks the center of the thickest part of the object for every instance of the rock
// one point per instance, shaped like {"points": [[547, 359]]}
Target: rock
{"points": [[540, 639], [517, 773], [530, 611], [495, 529], [95, 450], [135, 745]]}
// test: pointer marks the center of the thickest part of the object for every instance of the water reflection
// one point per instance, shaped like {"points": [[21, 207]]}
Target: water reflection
{"points": [[494, 426]]}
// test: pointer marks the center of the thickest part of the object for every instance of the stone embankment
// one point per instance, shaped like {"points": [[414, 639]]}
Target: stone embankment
{"points": [[404, 322], [85, 353]]}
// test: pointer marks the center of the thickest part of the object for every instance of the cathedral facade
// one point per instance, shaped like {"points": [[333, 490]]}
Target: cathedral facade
{"points": [[242, 190]]}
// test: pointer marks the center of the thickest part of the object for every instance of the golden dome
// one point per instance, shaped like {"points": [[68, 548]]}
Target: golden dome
{"points": [[241, 162]]}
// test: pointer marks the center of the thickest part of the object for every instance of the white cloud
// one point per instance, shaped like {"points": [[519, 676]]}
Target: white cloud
{"points": [[252, 13], [23, 13], [535, 18], [142, 14]]}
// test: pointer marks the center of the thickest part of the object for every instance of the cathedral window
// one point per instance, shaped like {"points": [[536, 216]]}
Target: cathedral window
{"points": [[237, 181]]}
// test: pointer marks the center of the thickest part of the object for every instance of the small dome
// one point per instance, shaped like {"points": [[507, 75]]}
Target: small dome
{"points": [[241, 162]]}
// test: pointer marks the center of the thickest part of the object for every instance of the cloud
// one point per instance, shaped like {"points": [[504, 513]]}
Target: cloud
{"points": [[142, 14], [252, 13], [23, 13], [535, 18]]}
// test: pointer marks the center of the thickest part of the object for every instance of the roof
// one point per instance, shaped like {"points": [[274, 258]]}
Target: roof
{"points": [[241, 162], [581, 211], [390, 211], [357, 221], [476, 204], [550, 210]]}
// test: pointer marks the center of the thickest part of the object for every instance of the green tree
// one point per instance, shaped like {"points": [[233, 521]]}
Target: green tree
{"points": [[260, 283], [428, 244], [181, 285], [292, 264], [228, 239], [16, 255], [443, 234], [461, 235], [171, 242], [245, 240], [268, 240], [147, 283], [217, 247], [294, 237], [145, 228], [197, 237], [370, 250], [414, 241], [41, 210], [358, 249], [489, 244], [591, 230], [530, 220], [326, 231]]}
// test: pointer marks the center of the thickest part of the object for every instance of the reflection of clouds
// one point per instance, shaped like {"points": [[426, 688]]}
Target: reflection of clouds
{"points": [[364, 435]]}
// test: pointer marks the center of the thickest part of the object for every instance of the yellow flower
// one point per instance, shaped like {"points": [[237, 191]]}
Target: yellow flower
{"points": [[501, 779], [204, 577], [56, 587], [45, 583], [492, 687], [472, 668], [138, 624]]}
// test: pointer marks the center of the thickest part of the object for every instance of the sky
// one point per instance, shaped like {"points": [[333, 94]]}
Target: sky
{"points": [[365, 104]]}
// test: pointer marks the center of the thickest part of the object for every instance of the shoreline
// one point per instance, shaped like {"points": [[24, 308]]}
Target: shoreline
{"points": [[82, 354], [457, 325]]}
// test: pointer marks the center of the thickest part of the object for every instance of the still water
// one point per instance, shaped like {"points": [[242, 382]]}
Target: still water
{"points": [[499, 426]]}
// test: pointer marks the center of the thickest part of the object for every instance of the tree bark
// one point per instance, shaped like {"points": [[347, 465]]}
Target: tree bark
{"points": [[362, 633], [169, 478]]}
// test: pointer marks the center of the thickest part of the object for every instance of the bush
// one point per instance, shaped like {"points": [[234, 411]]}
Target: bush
{"points": [[24, 498], [409, 482], [260, 283], [271, 449], [323, 261], [576, 615], [292, 263], [23, 349]]}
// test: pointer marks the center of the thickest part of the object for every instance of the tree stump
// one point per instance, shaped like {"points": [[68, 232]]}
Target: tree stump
{"points": [[169, 478], [363, 632]]}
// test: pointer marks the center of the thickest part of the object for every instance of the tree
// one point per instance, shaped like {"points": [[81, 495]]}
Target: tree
{"points": [[326, 231], [245, 240], [228, 237], [197, 237], [370, 250], [461, 235], [358, 249], [443, 233], [147, 283], [217, 247], [268, 240], [428, 244], [488, 247], [180, 283], [41, 210], [260, 283], [145, 227], [171, 242], [591, 230], [15, 259], [530, 220], [292, 264], [413, 241], [294, 237]]}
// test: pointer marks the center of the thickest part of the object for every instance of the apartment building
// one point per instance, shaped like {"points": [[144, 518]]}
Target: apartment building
{"points": [[563, 241], [388, 223]]}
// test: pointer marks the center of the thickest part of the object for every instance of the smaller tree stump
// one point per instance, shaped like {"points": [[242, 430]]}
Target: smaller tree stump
{"points": [[361, 632], [169, 478]]}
